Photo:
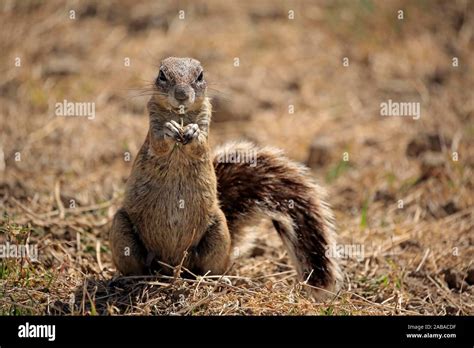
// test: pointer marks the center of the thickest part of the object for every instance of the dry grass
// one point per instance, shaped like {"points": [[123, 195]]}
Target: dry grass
{"points": [[407, 251]]}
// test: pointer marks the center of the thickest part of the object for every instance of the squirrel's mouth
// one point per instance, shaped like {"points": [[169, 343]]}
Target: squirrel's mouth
{"points": [[180, 106]]}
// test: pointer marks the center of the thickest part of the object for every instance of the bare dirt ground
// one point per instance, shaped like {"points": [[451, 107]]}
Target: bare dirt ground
{"points": [[401, 188]]}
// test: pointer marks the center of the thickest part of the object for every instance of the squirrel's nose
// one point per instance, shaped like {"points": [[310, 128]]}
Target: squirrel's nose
{"points": [[181, 94]]}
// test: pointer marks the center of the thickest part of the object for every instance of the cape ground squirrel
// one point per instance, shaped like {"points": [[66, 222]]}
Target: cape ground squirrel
{"points": [[185, 206]]}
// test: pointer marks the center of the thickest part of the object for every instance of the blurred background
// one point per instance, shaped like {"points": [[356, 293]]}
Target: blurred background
{"points": [[306, 76]]}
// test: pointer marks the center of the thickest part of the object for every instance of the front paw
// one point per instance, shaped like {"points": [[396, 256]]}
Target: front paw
{"points": [[174, 131], [190, 132]]}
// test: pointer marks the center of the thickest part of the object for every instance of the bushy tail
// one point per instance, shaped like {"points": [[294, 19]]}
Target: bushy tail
{"points": [[255, 182]]}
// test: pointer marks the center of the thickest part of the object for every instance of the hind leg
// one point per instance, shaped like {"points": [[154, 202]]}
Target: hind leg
{"points": [[213, 251], [128, 253]]}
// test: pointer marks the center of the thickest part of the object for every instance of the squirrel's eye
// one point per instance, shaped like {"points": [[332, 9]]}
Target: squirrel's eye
{"points": [[200, 77], [162, 77]]}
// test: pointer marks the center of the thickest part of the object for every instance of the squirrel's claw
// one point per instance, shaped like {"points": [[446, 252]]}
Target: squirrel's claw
{"points": [[173, 131], [184, 135], [176, 124], [190, 132]]}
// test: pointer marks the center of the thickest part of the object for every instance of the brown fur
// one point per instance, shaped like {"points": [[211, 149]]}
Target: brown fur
{"points": [[173, 197]]}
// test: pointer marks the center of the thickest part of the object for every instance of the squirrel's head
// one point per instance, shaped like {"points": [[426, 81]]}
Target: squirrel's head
{"points": [[180, 84]]}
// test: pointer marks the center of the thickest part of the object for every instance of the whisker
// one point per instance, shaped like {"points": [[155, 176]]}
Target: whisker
{"points": [[141, 95], [137, 96], [219, 94]]}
